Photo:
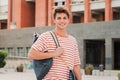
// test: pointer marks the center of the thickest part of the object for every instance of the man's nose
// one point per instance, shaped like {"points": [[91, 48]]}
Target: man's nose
{"points": [[62, 20]]}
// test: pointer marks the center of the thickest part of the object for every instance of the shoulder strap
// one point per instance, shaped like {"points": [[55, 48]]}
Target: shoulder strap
{"points": [[55, 39], [58, 45]]}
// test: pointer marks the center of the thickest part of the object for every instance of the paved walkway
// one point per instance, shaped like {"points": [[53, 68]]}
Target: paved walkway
{"points": [[29, 75]]}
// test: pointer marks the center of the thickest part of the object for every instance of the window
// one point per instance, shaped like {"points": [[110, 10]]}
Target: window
{"points": [[27, 50], [116, 15], [56, 3], [63, 3], [95, 52], [19, 51], [95, 0], [60, 3], [77, 1], [76, 19], [2, 48], [10, 52], [3, 24]]}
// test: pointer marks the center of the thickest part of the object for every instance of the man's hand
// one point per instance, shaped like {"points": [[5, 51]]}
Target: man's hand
{"points": [[59, 51]]}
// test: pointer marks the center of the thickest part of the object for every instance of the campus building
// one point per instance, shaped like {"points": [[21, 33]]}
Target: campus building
{"points": [[3, 14], [98, 38], [29, 13]]}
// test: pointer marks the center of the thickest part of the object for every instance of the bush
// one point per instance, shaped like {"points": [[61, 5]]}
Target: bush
{"points": [[118, 76], [3, 55]]}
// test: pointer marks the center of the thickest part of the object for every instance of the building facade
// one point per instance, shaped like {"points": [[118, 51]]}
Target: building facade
{"points": [[98, 38], [29, 13], [99, 43], [3, 14]]}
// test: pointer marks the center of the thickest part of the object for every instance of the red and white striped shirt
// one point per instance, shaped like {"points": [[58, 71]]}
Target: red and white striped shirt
{"points": [[59, 70]]}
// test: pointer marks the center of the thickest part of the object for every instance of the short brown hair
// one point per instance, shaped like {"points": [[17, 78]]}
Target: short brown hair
{"points": [[60, 10]]}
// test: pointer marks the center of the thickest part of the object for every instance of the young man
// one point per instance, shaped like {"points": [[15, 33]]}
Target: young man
{"points": [[68, 49]]}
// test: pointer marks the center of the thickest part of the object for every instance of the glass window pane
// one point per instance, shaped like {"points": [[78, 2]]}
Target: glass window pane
{"points": [[27, 50], [19, 51], [2, 48], [10, 52], [60, 3]]}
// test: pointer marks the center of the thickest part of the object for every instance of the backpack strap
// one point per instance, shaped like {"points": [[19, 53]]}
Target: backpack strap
{"points": [[55, 39], [58, 45]]}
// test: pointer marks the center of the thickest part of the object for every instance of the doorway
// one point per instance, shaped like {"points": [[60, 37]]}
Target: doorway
{"points": [[116, 50], [95, 52]]}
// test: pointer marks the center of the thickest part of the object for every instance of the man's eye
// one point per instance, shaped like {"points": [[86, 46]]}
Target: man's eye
{"points": [[64, 18], [59, 18]]}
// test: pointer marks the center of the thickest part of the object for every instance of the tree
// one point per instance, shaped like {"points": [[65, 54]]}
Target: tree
{"points": [[3, 55]]}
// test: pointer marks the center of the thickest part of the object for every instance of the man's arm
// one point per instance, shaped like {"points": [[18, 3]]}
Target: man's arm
{"points": [[34, 54], [77, 72]]}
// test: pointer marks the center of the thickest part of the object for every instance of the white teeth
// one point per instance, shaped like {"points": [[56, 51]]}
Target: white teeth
{"points": [[62, 24]]}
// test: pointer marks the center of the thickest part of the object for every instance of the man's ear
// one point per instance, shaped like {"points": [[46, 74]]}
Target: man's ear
{"points": [[53, 20]]}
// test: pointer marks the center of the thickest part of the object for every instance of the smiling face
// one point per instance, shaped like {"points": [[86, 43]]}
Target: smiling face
{"points": [[61, 18], [61, 21]]}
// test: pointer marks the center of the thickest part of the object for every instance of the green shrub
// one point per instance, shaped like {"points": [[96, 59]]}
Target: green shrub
{"points": [[3, 55], [118, 76]]}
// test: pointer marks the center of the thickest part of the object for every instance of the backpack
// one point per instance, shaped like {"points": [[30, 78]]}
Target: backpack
{"points": [[41, 67]]}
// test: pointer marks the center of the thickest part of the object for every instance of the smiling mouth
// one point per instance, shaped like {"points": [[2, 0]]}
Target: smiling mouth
{"points": [[62, 24]]}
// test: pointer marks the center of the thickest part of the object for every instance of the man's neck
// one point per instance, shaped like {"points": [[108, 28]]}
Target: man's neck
{"points": [[60, 32]]}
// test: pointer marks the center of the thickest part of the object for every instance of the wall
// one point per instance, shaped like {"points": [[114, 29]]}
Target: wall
{"points": [[92, 31]]}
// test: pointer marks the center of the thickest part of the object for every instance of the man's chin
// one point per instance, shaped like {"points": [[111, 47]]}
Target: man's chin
{"points": [[62, 27]]}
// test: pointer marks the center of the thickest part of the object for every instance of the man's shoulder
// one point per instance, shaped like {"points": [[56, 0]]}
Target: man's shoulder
{"points": [[45, 33], [72, 37]]}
